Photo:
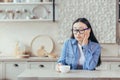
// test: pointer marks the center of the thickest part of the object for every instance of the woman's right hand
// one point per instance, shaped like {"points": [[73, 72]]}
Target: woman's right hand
{"points": [[58, 67]]}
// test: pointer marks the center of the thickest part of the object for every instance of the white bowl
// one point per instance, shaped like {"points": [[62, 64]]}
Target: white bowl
{"points": [[64, 68]]}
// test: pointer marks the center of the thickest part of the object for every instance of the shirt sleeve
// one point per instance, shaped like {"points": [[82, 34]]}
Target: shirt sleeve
{"points": [[63, 54], [91, 56]]}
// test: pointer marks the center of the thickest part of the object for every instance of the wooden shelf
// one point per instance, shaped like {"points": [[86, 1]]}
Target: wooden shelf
{"points": [[30, 3], [24, 20], [5, 5]]}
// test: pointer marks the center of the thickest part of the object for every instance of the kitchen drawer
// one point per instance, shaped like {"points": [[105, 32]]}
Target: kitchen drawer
{"points": [[41, 65], [115, 65], [104, 66], [13, 69]]}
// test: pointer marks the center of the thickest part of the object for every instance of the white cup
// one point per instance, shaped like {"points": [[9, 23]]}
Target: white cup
{"points": [[45, 0], [64, 68]]}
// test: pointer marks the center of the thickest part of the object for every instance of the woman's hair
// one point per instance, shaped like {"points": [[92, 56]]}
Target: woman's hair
{"points": [[91, 37]]}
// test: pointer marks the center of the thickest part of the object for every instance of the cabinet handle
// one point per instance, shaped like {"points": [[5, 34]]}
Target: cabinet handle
{"points": [[41, 65], [119, 65], [16, 65]]}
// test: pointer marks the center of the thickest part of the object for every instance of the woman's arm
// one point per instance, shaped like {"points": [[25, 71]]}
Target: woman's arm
{"points": [[61, 60], [91, 56], [63, 54]]}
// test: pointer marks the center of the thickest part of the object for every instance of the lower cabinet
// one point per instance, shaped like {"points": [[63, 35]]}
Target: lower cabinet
{"points": [[109, 66], [115, 66], [104, 66], [12, 69], [1, 72], [41, 65]]}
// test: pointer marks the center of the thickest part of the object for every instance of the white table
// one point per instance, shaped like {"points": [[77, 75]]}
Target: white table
{"points": [[37, 74]]}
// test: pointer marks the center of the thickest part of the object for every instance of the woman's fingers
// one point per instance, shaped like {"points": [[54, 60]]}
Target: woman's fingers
{"points": [[58, 67]]}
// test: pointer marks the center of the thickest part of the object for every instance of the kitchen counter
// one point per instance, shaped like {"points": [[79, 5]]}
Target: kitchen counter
{"points": [[36, 59], [6, 58], [43, 74]]}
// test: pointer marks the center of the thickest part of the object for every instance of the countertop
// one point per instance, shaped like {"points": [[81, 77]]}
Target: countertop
{"points": [[43, 74], [9, 59], [6, 58]]}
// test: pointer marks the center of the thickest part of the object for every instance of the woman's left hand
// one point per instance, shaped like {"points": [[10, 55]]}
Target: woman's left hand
{"points": [[85, 40]]}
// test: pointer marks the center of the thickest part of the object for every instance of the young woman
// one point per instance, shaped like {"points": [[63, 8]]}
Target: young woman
{"points": [[82, 50]]}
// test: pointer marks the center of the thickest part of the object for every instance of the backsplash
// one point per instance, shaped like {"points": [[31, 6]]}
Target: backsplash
{"points": [[25, 32], [100, 13]]}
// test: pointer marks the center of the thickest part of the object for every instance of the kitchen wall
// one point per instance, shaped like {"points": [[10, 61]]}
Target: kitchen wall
{"points": [[100, 13], [11, 32]]}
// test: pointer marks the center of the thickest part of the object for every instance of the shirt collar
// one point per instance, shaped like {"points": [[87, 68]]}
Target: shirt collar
{"points": [[74, 41]]}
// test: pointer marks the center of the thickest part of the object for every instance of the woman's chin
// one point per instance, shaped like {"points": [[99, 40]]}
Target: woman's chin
{"points": [[79, 40]]}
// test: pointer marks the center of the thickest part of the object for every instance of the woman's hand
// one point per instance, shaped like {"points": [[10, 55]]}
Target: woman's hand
{"points": [[85, 40], [58, 67]]}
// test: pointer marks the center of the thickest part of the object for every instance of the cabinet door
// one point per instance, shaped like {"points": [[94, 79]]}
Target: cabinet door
{"points": [[1, 72], [104, 66], [12, 69], [41, 65], [115, 66]]}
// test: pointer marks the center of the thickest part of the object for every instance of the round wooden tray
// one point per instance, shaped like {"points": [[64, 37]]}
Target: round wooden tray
{"points": [[42, 41]]}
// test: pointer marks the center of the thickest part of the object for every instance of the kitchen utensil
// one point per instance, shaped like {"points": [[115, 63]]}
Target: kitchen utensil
{"points": [[41, 12], [20, 49], [2, 14], [64, 68], [42, 45]]}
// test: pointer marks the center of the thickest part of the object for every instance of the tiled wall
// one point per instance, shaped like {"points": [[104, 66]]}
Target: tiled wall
{"points": [[100, 13]]}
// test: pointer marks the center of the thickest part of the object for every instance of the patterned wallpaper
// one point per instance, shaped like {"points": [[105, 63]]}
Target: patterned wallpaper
{"points": [[100, 13]]}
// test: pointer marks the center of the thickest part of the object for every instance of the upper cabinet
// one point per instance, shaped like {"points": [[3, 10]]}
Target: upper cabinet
{"points": [[27, 10]]}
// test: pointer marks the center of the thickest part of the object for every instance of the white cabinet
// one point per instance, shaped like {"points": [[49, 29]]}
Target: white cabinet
{"points": [[41, 65], [104, 66], [12, 69], [115, 66], [109, 66], [1, 72]]}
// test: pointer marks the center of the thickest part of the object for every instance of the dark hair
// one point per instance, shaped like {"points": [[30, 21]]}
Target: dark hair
{"points": [[91, 37]]}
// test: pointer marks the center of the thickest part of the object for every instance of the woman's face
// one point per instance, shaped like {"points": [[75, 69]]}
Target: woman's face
{"points": [[79, 29]]}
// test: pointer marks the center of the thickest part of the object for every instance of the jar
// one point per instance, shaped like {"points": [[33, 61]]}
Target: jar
{"points": [[45, 0]]}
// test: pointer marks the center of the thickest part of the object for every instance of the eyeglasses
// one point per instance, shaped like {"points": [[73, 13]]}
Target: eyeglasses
{"points": [[75, 31]]}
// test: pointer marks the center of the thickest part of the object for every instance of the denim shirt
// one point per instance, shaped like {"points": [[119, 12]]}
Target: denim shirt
{"points": [[70, 54]]}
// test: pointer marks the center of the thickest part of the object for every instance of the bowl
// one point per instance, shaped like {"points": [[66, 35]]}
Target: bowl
{"points": [[64, 68]]}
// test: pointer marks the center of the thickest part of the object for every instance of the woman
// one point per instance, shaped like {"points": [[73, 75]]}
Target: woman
{"points": [[82, 50]]}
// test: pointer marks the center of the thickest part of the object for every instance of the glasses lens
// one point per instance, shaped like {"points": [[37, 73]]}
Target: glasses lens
{"points": [[75, 31]]}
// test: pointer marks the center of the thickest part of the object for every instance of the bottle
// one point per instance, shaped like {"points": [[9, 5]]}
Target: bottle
{"points": [[19, 49]]}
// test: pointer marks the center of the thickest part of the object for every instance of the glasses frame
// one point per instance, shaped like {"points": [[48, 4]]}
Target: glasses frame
{"points": [[77, 30]]}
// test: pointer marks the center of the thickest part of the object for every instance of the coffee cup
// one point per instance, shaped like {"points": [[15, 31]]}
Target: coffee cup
{"points": [[64, 68]]}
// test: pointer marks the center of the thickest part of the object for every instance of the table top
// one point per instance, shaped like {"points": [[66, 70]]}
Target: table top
{"points": [[38, 74]]}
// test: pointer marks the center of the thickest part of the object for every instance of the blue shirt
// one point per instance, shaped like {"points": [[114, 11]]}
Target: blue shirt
{"points": [[70, 54]]}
